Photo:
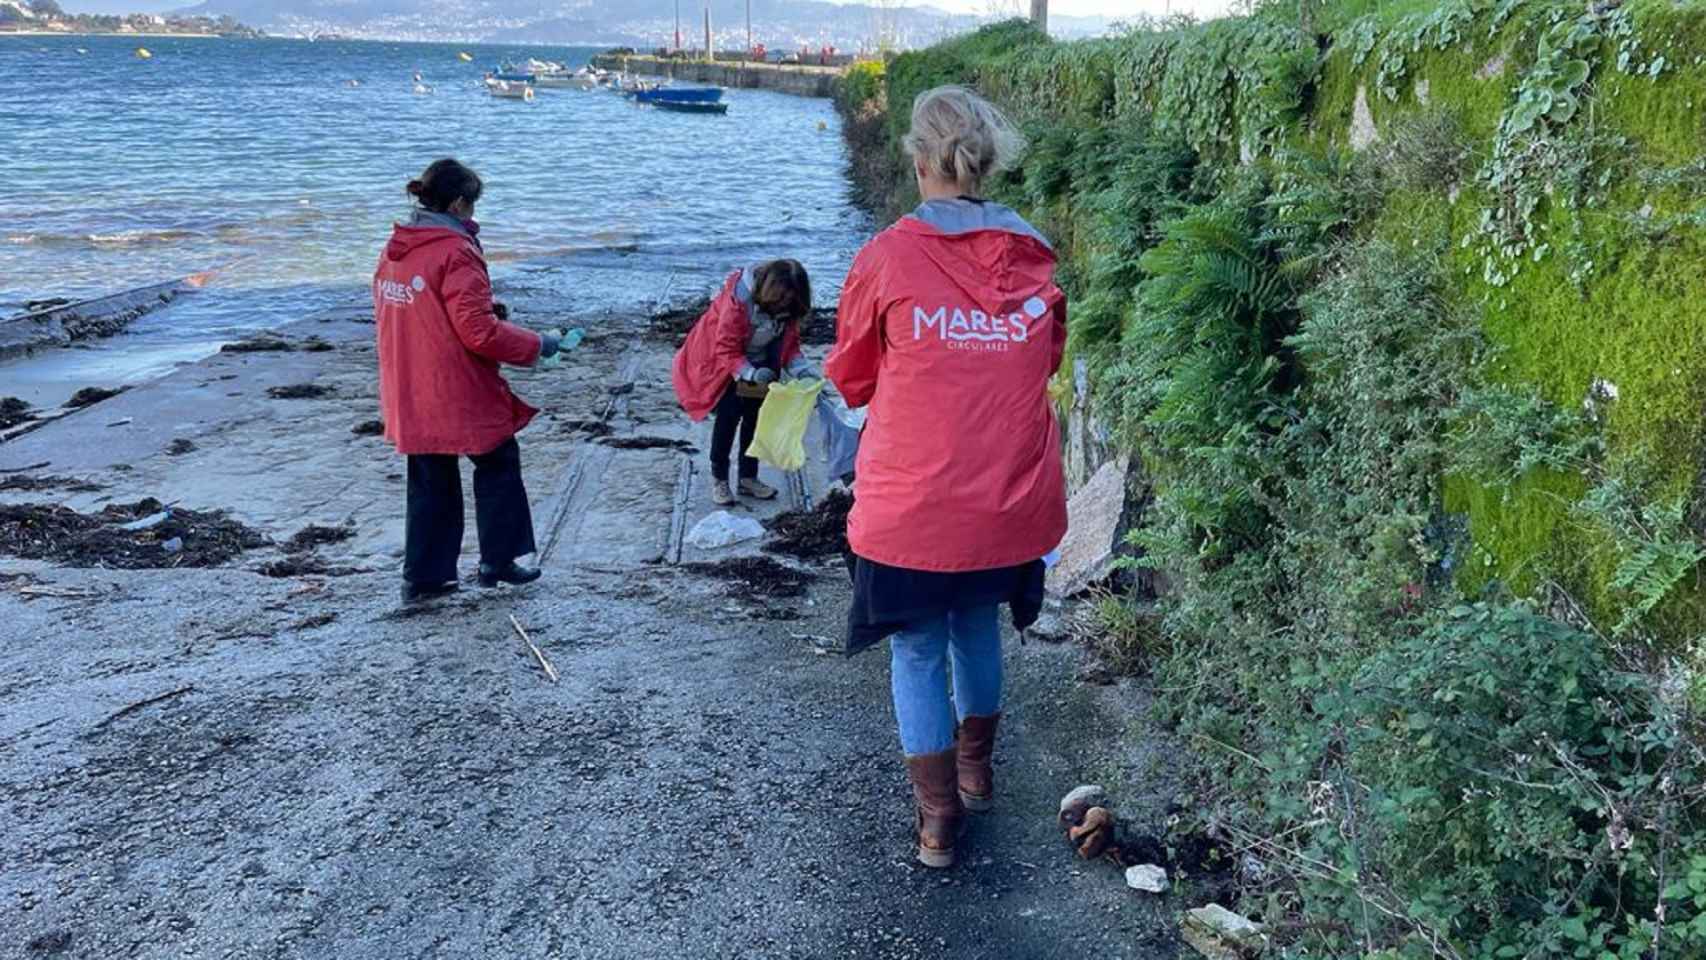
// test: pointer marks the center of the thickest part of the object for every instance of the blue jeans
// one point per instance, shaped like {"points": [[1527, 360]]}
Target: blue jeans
{"points": [[971, 638]]}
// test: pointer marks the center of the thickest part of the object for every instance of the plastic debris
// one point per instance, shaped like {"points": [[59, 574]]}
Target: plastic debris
{"points": [[723, 529], [147, 523]]}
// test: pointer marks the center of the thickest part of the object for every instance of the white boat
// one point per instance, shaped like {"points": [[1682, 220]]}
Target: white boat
{"points": [[582, 79], [509, 90]]}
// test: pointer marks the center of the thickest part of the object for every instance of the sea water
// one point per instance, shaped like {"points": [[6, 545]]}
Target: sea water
{"points": [[280, 165]]}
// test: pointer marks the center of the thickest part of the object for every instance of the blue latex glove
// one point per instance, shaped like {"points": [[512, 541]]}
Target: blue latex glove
{"points": [[801, 370], [752, 374]]}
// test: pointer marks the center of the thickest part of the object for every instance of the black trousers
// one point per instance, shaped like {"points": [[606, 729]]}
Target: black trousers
{"points": [[734, 413], [432, 539]]}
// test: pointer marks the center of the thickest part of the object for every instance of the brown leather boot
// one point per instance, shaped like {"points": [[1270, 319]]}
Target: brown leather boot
{"points": [[940, 815], [976, 768]]}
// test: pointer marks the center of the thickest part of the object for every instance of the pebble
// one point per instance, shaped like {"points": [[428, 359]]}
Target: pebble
{"points": [[1146, 877]]}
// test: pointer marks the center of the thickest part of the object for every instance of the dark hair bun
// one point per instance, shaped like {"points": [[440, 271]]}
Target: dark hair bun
{"points": [[444, 183]]}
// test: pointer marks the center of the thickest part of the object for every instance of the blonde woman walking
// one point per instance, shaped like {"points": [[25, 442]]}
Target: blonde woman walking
{"points": [[950, 327]]}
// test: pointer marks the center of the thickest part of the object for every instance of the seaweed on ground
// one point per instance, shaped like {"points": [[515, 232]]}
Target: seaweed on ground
{"points": [[303, 565], [298, 391], [369, 428], [260, 343], [809, 535], [648, 443], [89, 396], [33, 484], [185, 538], [761, 576], [592, 428], [180, 446], [13, 412], [314, 534]]}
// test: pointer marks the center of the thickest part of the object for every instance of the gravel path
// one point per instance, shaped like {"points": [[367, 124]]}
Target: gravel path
{"points": [[218, 763]]}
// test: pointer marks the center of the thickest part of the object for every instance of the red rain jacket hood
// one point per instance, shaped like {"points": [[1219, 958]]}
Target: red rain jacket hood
{"points": [[950, 327], [440, 343], [715, 350]]}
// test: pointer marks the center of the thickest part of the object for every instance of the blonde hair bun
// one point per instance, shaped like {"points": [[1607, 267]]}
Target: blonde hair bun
{"points": [[960, 136]]}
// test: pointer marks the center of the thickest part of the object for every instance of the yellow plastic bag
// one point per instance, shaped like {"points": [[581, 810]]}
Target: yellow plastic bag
{"points": [[782, 421]]}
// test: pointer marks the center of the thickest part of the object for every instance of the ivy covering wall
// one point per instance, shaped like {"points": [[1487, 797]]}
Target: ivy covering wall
{"points": [[1402, 307]]}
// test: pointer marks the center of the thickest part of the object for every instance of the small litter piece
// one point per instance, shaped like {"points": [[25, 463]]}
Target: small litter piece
{"points": [[1146, 877], [298, 391], [369, 428], [146, 523], [174, 545], [89, 396], [1092, 837], [723, 529]]}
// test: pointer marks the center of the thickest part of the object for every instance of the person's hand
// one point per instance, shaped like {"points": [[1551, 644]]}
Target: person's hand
{"points": [[801, 370], [764, 375]]}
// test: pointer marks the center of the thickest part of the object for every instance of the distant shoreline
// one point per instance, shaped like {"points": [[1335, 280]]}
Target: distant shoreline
{"points": [[79, 33]]}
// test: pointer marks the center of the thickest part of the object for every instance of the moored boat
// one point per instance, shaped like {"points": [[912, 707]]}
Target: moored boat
{"points": [[692, 106], [509, 89], [680, 95]]}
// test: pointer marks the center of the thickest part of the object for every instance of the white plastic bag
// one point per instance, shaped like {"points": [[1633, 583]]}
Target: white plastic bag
{"points": [[723, 529], [841, 428]]}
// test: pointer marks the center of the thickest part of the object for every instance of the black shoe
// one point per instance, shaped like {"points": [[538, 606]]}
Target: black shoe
{"points": [[511, 572], [417, 592]]}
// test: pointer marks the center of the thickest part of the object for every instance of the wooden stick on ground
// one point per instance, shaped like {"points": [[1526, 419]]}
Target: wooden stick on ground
{"points": [[538, 654]]}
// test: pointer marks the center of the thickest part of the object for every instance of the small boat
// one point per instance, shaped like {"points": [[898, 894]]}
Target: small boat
{"points": [[566, 80], [511, 76], [680, 95], [692, 106], [143, 53], [509, 90], [465, 57]]}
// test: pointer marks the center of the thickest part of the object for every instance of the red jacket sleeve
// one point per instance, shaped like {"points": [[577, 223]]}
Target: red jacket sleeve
{"points": [[732, 329], [468, 302], [852, 365]]}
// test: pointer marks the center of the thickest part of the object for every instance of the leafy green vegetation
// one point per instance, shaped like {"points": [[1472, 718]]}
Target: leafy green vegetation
{"points": [[1403, 308]]}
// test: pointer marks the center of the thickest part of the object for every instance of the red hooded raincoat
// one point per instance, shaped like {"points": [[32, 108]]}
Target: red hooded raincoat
{"points": [[715, 350], [949, 328], [440, 345]]}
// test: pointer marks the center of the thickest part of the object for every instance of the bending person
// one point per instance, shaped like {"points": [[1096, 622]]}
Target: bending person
{"points": [[745, 341], [441, 338], [950, 327]]}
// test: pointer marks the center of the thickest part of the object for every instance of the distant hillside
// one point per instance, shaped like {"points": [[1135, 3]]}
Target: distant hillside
{"points": [[780, 24]]}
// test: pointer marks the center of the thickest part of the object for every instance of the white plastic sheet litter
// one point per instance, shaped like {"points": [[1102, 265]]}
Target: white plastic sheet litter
{"points": [[723, 529]]}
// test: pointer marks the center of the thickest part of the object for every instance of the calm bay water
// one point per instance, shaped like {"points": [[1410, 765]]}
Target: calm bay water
{"points": [[284, 162]]}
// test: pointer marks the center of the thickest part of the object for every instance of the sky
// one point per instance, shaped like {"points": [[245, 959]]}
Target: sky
{"points": [[1113, 9]]}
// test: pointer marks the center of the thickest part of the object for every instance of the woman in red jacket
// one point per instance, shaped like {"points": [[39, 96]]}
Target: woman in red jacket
{"points": [[441, 339], [949, 329], [746, 340]]}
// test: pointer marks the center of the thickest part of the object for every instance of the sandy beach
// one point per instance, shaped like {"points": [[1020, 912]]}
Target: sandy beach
{"points": [[267, 757]]}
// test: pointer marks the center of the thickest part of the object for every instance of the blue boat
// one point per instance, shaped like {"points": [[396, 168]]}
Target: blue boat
{"points": [[680, 95], [691, 106], [512, 77]]}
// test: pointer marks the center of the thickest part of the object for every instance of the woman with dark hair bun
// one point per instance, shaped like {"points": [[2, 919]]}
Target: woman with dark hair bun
{"points": [[441, 339]]}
